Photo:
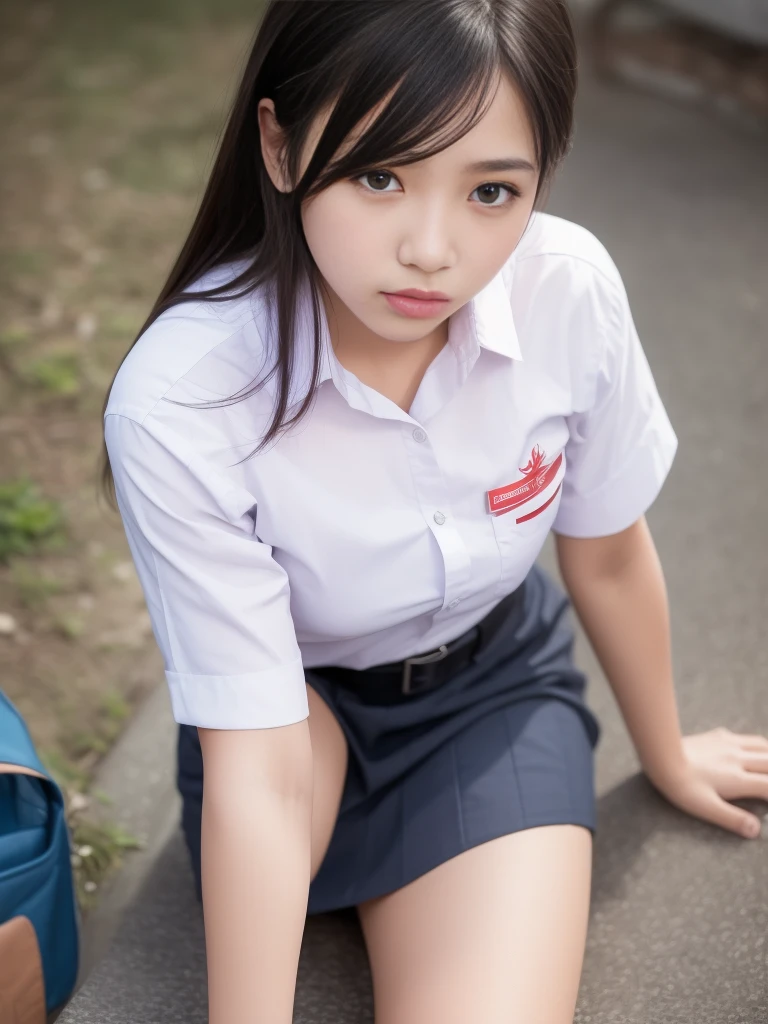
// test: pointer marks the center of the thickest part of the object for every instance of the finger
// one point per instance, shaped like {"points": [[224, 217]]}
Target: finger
{"points": [[734, 819], [754, 786], [755, 762], [752, 742]]}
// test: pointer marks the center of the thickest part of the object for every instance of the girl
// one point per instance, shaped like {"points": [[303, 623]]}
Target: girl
{"points": [[375, 379]]}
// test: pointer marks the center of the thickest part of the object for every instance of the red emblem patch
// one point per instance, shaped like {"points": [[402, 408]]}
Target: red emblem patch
{"points": [[537, 476]]}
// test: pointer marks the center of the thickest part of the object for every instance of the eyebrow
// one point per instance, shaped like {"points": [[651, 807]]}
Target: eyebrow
{"points": [[503, 164]]}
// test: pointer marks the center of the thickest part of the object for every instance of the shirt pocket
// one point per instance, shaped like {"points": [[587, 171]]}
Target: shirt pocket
{"points": [[520, 534]]}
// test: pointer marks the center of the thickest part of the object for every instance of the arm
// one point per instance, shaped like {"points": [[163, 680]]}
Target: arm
{"points": [[617, 588], [257, 805], [220, 606], [620, 448]]}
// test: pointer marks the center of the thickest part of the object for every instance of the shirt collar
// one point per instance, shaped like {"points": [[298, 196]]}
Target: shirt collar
{"points": [[484, 322]]}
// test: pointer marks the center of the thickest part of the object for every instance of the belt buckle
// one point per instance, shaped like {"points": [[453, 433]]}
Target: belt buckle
{"points": [[423, 659]]}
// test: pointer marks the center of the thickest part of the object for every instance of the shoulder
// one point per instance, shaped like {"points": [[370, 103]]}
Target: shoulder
{"points": [[562, 269], [194, 351], [565, 288], [552, 241], [569, 303]]}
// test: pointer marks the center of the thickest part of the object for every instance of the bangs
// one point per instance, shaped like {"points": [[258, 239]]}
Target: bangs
{"points": [[433, 79]]}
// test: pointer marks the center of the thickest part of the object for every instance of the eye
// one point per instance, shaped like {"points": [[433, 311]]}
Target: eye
{"points": [[377, 181], [492, 191]]}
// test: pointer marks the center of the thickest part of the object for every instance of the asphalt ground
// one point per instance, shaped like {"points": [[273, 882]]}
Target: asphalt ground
{"points": [[678, 930]]}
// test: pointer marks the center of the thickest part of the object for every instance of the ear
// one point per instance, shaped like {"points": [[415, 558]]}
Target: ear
{"points": [[272, 141]]}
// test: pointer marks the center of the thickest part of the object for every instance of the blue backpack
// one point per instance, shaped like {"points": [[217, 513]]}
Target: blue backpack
{"points": [[36, 879]]}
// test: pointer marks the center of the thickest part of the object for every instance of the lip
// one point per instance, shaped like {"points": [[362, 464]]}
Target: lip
{"points": [[417, 293], [412, 302]]}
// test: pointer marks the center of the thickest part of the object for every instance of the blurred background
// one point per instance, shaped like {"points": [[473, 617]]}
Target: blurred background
{"points": [[109, 113]]}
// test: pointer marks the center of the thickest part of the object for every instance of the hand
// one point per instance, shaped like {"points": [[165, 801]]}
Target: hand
{"points": [[720, 765]]}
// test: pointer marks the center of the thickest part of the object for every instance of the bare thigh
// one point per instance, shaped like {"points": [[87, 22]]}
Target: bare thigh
{"points": [[496, 934], [329, 759]]}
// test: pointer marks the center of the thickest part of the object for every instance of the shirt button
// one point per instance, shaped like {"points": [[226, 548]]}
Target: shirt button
{"points": [[439, 518], [419, 435], [454, 603]]}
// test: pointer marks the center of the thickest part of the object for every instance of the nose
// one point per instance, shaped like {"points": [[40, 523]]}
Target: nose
{"points": [[425, 238]]}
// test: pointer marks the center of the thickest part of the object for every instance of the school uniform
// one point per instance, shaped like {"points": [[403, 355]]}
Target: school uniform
{"points": [[368, 535]]}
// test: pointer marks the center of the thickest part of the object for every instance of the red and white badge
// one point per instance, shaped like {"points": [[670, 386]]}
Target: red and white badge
{"points": [[536, 478]]}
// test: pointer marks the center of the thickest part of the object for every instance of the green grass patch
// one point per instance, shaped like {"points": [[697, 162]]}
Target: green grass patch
{"points": [[115, 707], [33, 588], [81, 743], [66, 774], [122, 325], [14, 337], [89, 25], [69, 626], [104, 727], [97, 851], [26, 262], [169, 168], [28, 521], [58, 373], [97, 847]]}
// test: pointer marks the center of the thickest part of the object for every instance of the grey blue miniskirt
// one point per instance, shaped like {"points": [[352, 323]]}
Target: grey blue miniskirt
{"points": [[506, 744]]}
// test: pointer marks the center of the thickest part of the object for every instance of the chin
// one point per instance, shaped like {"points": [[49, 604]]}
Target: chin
{"points": [[396, 329]]}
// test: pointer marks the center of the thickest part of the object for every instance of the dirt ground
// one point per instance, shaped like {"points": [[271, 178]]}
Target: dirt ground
{"points": [[110, 113]]}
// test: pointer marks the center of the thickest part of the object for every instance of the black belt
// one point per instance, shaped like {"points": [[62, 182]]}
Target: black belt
{"points": [[424, 672]]}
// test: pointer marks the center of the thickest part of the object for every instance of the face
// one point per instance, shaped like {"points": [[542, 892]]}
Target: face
{"points": [[445, 224]]}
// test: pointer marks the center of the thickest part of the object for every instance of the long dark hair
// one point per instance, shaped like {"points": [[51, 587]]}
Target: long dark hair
{"points": [[438, 58]]}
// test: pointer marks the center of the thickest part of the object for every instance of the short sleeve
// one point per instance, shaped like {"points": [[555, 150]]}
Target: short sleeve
{"points": [[218, 601], [622, 445]]}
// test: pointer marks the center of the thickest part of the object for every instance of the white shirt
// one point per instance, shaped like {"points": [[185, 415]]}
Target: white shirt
{"points": [[363, 535]]}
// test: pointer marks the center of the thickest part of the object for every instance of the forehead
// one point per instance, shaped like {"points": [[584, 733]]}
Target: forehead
{"points": [[504, 129]]}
